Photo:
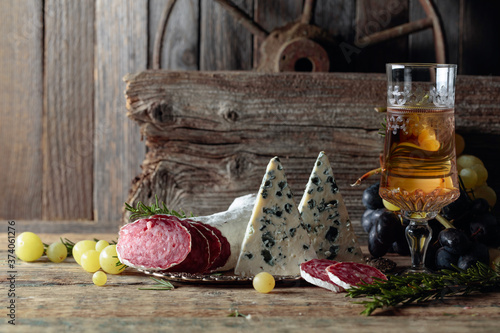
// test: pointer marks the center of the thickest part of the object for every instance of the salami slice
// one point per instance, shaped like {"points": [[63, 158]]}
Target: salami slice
{"points": [[225, 251], [349, 274], [154, 244], [198, 259], [314, 272], [214, 243]]}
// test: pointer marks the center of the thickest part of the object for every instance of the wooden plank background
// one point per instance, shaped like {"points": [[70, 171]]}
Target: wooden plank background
{"points": [[205, 152], [70, 153]]}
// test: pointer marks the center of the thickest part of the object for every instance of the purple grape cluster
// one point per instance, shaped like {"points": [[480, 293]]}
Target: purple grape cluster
{"points": [[476, 229]]}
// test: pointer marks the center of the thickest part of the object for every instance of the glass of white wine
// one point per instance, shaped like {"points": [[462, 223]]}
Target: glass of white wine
{"points": [[419, 173]]}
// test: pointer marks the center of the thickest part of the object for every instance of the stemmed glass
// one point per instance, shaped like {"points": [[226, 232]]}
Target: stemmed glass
{"points": [[419, 173]]}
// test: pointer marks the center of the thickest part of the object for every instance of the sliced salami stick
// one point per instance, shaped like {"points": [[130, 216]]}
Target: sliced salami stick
{"points": [[198, 259], [214, 243], [225, 252], [314, 272], [350, 274], [154, 244]]}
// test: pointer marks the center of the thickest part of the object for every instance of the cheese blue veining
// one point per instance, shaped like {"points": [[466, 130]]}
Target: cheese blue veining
{"points": [[275, 240], [325, 215]]}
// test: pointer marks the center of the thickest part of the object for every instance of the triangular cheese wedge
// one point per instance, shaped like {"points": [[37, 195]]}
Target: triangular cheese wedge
{"points": [[275, 239], [325, 216]]}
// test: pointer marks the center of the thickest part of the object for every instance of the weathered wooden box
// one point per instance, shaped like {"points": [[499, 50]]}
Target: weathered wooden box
{"points": [[210, 135]]}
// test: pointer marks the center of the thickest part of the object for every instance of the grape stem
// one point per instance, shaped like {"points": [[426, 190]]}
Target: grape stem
{"points": [[367, 175], [447, 224]]}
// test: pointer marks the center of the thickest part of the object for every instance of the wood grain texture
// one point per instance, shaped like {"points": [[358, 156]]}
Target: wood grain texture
{"points": [[21, 105], [375, 16], [121, 47], [224, 43], [337, 17], [205, 151], [120, 306], [272, 15], [68, 134], [180, 47]]}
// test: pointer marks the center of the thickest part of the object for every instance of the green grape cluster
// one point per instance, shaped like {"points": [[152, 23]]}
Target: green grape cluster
{"points": [[94, 256]]}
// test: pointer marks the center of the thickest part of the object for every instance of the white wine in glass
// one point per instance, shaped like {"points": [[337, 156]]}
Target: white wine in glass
{"points": [[419, 173]]}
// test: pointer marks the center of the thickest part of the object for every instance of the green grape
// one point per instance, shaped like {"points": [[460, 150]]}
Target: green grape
{"points": [[57, 252], [109, 260], [101, 245], [390, 206], [81, 247], [482, 174], [469, 177], [29, 246], [99, 278], [466, 161], [263, 282], [90, 261]]}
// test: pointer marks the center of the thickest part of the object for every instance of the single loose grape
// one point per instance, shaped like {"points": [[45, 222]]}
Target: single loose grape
{"points": [[99, 278], [81, 247], [263, 282], [90, 261], [469, 177], [101, 245], [29, 246], [109, 260], [57, 252]]}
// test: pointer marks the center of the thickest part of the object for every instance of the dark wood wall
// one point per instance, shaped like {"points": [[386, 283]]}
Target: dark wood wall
{"points": [[69, 153]]}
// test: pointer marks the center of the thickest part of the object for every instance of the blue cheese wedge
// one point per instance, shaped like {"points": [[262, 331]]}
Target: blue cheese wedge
{"points": [[325, 216], [275, 239]]}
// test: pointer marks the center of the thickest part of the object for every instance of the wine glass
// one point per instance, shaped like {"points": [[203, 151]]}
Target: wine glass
{"points": [[419, 173]]}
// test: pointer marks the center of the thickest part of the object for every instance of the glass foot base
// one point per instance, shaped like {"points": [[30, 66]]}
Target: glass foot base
{"points": [[410, 271]]}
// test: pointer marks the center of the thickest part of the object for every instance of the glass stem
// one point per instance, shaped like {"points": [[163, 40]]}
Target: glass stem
{"points": [[418, 235]]}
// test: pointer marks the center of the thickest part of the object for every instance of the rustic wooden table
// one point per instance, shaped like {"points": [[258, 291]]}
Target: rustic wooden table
{"points": [[61, 297]]}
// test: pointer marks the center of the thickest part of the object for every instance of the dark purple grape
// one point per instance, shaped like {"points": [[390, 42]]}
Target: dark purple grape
{"points": [[388, 227], [478, 252], [430, 255], [485, 229], [371, 199], [457, 207], [369, 217], [375, 246], [480, 205], [455, 241], [401, 247], [445, 259]]}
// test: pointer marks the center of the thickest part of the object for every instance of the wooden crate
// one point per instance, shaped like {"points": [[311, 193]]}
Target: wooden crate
{"points": [[210, 135]]}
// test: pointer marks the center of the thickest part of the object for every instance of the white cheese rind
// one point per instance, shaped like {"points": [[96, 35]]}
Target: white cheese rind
{"points": [[325, 216], [275, 239], [232, 225]]}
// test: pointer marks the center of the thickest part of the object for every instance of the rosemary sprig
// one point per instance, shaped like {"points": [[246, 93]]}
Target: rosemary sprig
{"points": [[66, 242], [142, 211], [119, 264], [162, 285], [403, 290]]}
